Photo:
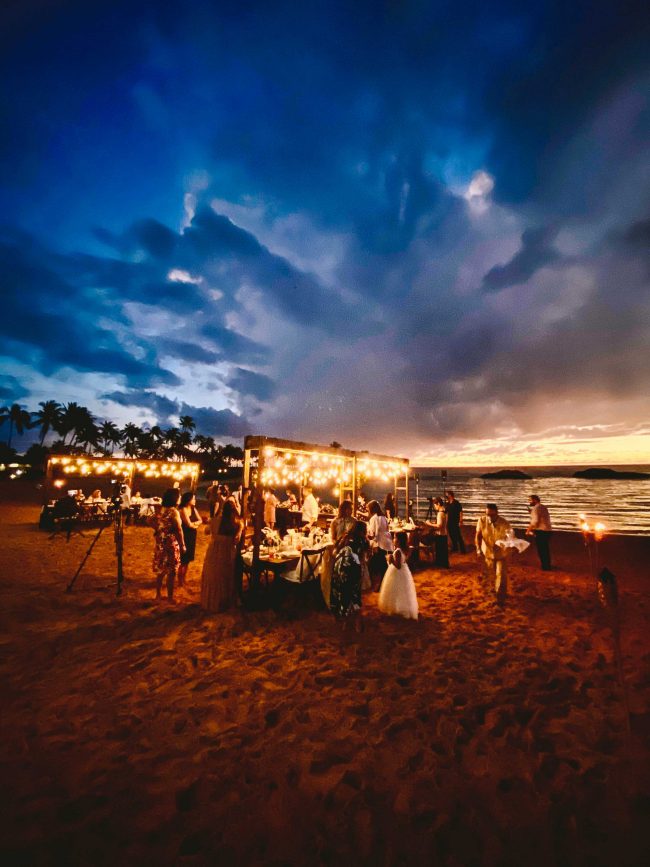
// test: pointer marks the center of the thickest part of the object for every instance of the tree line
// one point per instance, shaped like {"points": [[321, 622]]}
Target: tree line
{"points": [[73, 429]]}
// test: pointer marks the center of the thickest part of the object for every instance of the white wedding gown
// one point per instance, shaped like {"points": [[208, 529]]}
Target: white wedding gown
{"points": [[397, 594]]}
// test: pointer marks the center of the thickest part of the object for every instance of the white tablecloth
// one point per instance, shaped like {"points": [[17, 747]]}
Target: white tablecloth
{"points": [[311, 560], [147, 506]]}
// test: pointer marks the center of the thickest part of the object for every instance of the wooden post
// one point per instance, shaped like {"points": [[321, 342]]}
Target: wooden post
{"points": [[257, 510], [407, 513]]}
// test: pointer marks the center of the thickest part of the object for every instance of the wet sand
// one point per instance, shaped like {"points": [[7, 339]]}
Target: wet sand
{"points": [[138, 732]]}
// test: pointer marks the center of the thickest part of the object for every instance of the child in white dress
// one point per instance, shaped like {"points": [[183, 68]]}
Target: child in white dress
{"points": [[397, 594]]}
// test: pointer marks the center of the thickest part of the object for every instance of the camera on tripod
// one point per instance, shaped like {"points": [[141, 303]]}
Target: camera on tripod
{"points": [[118, 489], [116, 511]]}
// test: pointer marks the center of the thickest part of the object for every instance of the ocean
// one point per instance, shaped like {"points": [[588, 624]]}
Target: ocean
{"points": [[623, 506]]}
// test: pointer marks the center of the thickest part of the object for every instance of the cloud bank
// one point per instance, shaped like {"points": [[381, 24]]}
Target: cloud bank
{"points": [[400, 229]]}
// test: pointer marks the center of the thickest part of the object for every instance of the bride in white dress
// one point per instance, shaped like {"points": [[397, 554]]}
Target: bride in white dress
{"points": [[397, 594]]}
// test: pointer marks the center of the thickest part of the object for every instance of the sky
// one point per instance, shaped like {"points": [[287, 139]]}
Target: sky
{"points": [[420, 228]]}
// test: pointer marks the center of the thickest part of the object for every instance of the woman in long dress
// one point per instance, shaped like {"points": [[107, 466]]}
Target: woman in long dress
{"points": [[339, 528], [168, 543], [397, 594], [380, 542], [191, 521], [271, 502], [218, 585], [345, 595]]}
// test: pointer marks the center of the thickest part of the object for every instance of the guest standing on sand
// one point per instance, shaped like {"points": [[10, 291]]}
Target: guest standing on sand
{"points": [[454, 512], [343, 524], [540, 527], [191, 521], [442, 550], [490, 528], [310, 508], [345, 596], [380, 542], [397, 594], [390, 509], [218, 585], [168, 543], [271, 502], [212, 496]]}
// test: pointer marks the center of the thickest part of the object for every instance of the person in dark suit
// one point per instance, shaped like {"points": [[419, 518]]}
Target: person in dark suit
{"points": [[454, 511]]}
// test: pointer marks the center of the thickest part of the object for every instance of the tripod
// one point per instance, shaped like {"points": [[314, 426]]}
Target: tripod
{"points": [[117, 521]]}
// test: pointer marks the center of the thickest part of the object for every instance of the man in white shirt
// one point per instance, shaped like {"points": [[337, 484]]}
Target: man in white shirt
{"points": [[310, 509], [540, 527], [490, 528]]}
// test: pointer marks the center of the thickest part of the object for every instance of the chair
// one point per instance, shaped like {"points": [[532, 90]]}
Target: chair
{"points": [[66, 517]]}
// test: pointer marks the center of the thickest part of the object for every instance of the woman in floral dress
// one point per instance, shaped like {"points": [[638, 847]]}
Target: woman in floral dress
{"points": [[168, 543], [345, 592], [339, 529]]}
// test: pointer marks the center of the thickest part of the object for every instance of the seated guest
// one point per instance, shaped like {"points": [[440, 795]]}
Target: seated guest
{"points": [[291, 498], [381, 543], [310, 508], [95, 496], [136, 499]]}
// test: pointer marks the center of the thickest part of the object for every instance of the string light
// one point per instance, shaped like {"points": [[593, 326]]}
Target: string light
{"points": [[320, 470], [175, 470]]}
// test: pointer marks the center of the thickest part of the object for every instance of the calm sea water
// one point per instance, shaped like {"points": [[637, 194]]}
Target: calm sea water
{"points": [[624, 506]]}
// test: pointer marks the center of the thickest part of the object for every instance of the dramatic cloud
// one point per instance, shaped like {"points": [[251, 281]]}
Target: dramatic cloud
{"points": [[219, 423], [418, 227], [535, 253]]}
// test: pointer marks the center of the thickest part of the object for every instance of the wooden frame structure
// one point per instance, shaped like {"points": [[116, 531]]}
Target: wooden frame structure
{"points": [[274, 462], [269, 461]]}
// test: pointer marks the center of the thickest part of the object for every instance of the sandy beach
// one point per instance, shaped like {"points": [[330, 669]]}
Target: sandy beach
{"points": [[138, 732]]}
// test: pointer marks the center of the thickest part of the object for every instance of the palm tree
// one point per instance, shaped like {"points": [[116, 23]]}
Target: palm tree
{"points": [[204, 445], [48, 417], [110, 436], [173, 445], [158, 437], [19, 419], [187, 423], [72, 418], [147, 444], [131, 434], [86, 431]]}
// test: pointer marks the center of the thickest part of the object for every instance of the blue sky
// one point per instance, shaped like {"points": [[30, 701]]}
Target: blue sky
{"points": [[420, 227]]}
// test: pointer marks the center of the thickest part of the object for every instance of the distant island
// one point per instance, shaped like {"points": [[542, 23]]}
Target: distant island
{"points": [[606, 473], [506, 474]]}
